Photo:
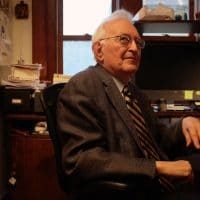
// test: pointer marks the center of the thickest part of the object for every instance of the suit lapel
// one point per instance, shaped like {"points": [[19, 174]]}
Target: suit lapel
{"points": [[117, 101], [119, 104]]}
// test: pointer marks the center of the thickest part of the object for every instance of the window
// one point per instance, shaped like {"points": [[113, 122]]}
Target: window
{"points": [[80, 19]]}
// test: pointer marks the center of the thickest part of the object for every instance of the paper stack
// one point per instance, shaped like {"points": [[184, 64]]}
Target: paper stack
{"points": [[24, 75], [160, 12], [61, 78], [25, 72]]}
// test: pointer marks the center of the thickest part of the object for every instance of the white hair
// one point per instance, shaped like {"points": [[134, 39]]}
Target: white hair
{"points": [[118, 14]]}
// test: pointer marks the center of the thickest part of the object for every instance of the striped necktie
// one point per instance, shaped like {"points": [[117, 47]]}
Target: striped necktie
{"points": [[143, 135]]}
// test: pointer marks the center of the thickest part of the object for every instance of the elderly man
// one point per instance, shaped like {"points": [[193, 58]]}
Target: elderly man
{"points": [[108, 129]]}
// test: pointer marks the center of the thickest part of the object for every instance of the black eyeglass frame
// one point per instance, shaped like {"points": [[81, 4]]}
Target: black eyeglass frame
{"points": [[139, 42]]}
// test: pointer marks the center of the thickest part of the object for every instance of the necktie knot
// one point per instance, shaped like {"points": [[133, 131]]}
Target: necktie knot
{"points": [[127, 94], [126, 91]]}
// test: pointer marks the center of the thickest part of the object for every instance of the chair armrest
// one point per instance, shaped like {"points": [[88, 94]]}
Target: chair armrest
{"points": [[106, 185], [103, 189]]}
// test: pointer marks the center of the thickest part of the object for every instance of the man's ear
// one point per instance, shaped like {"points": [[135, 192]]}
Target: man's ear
{"points": [[97, 49]]}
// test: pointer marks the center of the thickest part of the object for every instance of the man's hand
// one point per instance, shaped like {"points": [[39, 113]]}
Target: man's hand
{"points": [[191, 131], [179, 170]]}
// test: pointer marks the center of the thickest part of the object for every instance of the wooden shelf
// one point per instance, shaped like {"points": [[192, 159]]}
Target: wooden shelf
{"points": [[167, 38], [168, 26], [177, 114], [25, 117], [27, 133]]}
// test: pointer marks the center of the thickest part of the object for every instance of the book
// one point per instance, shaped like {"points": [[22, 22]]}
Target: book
{"points": [[25, 72]]}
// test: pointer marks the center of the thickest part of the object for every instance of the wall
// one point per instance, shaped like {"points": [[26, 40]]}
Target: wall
{"points": [[22, 35], [21, 38]]}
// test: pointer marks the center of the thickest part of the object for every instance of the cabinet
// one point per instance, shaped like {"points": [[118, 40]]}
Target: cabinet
{"points": [[170, 64], [31, 164], [2, 150]]}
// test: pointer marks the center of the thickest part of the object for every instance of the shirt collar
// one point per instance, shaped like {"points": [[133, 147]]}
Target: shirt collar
{"points": [[119, 84]]}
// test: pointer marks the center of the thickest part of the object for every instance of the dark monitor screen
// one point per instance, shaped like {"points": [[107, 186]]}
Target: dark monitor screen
{"points": [[170, 66]]}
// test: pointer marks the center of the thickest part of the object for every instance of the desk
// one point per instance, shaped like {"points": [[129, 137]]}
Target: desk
{"points": [[177, 114], [31, 161], [167, 117]]}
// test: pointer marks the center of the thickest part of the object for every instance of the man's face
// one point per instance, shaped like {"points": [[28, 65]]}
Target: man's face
{"points": [[122, 60]]}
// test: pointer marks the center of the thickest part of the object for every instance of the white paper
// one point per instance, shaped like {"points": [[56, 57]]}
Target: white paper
{"points": [[160, 12]]}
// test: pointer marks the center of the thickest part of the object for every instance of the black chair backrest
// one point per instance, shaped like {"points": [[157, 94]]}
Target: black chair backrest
{"points": [[49, 97]]}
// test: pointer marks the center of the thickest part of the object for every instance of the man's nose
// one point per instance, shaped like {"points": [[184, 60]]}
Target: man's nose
{"points": [[133, 45]]}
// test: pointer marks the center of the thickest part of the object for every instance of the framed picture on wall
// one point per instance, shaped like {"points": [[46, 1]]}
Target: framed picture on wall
{"points": [[21, 10]]}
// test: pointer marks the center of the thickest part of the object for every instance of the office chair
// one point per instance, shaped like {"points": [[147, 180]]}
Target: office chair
{"points": [[93, 190]]}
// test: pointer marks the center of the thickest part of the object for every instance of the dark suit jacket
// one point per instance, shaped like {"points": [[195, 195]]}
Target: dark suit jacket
{"points": [[97, 133]]}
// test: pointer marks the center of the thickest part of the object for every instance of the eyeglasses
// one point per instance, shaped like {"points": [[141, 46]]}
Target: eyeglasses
{"points": [[126, 40]]}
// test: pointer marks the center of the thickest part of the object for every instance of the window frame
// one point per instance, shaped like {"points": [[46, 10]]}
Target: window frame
{"points": [[85, 37], [47, 35], [116, 4]]}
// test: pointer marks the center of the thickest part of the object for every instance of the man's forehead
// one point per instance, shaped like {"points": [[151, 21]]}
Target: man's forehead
{"points": [[121, 26]]}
